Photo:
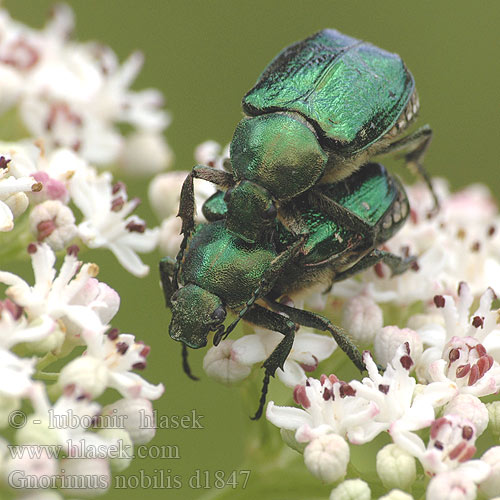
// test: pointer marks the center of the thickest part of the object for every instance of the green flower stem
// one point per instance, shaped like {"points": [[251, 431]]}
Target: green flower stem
{"points": [[47, 360], [51, 377]]}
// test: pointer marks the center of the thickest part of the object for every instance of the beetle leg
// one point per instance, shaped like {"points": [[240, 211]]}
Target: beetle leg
{"points": [[313, 320], [337, 212], [220, 178], [416, 145], [398, 265], [270, 320], [167, 269], [185, 363]]}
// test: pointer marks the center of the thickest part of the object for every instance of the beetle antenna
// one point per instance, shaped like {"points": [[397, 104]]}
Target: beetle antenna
{"points": [[219, 333], [231, 327], [185, 363]]}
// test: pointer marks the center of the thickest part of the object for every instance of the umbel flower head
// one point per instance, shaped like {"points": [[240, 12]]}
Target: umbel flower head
{"points": [[62, 179], [75, 95]]}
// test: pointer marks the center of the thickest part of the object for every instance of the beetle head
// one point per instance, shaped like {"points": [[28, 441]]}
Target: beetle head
{"points": [[195, 312], [279, 151]]}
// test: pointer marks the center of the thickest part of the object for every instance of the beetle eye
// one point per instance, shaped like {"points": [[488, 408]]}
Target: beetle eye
{"points": [[219, 314], [227, 195], [270, 213]]}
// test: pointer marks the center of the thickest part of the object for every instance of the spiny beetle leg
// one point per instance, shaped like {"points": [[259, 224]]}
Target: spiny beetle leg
{"points": [[397, 264], [313, 320], [185, 364], [187, 206], [167, 270], [270, 320]]}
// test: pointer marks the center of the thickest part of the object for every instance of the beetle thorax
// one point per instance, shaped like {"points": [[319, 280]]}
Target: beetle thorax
{"points": [[279, 151]]}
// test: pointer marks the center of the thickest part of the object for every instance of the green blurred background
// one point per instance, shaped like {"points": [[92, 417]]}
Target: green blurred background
{"points": [[204, 55]]}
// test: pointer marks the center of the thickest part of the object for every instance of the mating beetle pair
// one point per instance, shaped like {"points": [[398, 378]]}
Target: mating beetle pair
{"points": [[301, 206], [220, 270]]}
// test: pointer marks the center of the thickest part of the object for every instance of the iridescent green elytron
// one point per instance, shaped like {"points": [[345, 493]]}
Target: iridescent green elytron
{"points": [[218, 270], [322, 108]]}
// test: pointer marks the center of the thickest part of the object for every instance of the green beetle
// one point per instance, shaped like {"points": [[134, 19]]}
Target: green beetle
{"points": [[219, 270], [321, 109]]}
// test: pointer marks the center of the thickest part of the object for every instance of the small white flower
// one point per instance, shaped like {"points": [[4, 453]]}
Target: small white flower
{"points": [[136, 415], [396, 495], [451, 485], [350, 489], [98, 297], [12, 188], [39, 467], [307, 351], [170, 237], [211, 153], [327, 457], [362, 318], [470, 407], [388, 340], [15, 374], [111, 357], [466, 368], [392, 392], [42, 495], [395, 467], [451, 446], [14, 327], [145, 153], [51, 295], [220, 364], [328, 406], [459, 322], [108, 221], [64, 423], [54, 223], [118, 439], [88, 372]]}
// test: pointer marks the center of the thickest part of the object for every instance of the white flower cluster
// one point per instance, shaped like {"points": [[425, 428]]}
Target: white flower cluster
{"points": [[74, 95], [42, 323], [335, 414], [71, 98], [55, 180]]}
